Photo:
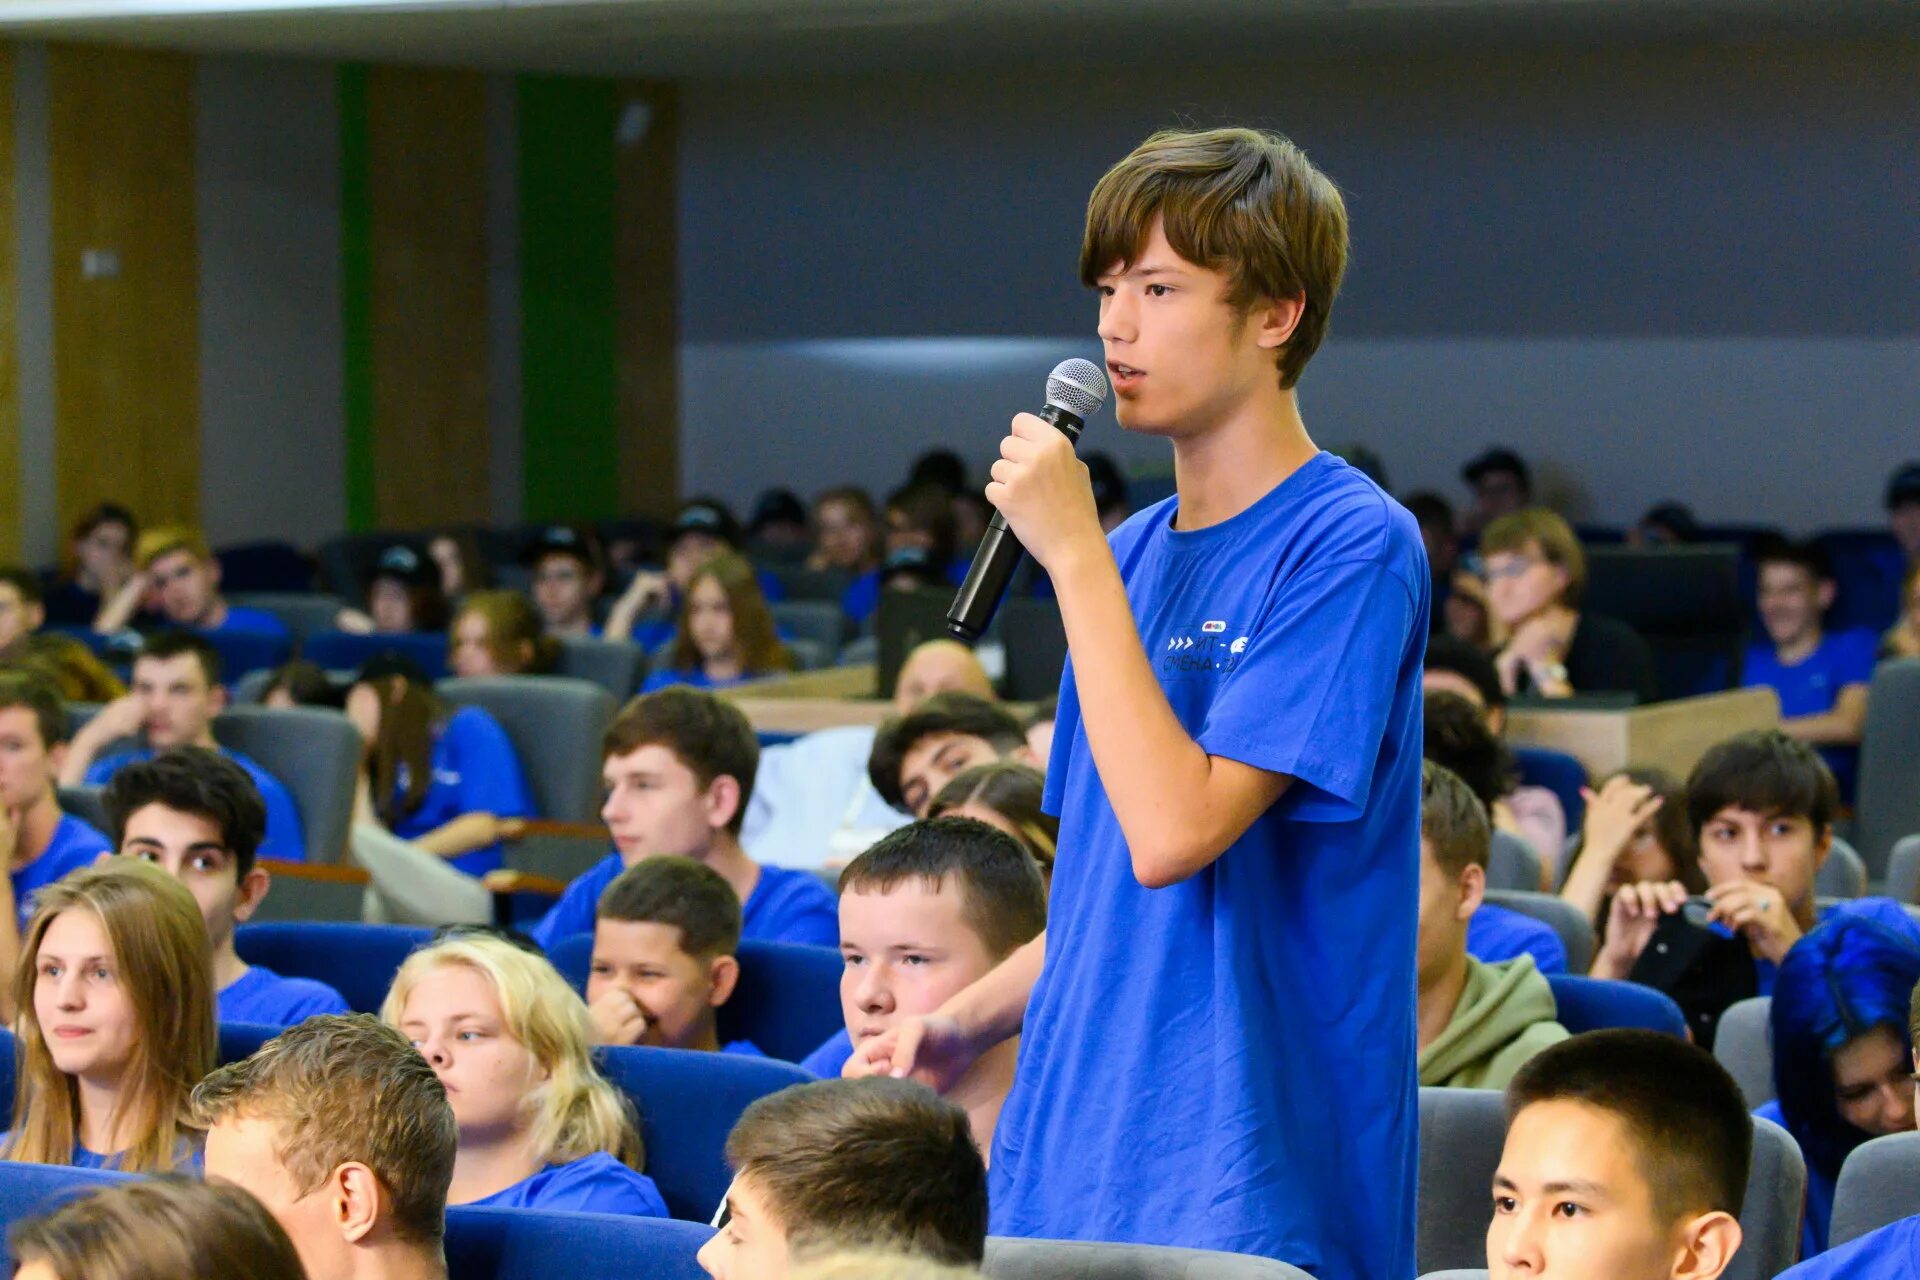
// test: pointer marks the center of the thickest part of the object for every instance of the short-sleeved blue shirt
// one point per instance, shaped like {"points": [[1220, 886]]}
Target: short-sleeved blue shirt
{"points": [[263, 996], [829, 1059], [286, 838], [475, 770], [74, 845], [1495, 933], [1228, 1062], [592, 1184], [252, 621], [1811, 686], [1891, 1253], [785, 906]]}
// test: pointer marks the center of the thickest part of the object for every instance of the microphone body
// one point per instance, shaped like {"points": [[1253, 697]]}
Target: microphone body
{"points": [[998, 555]]}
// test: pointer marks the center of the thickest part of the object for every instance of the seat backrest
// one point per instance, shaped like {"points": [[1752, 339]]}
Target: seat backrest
{"points": [[614, 665], [1567, 921], [1775, 1200], [1744, 1046], [1013, 1259], [538, 1244], [802, 583], [1887, 796], [312, 891], [1559, 773], [87, 804], [1843, 874], [241, 1040], [270, 567], [346, 651], [1903, 867], [7, 1068], [817, 620], [304, 612], [315, 754], [688, 1104], [1512, 864], [1461, 1134], [555, 724], [30, 1189], [244, 651], [1879, 1185], [357, 960], [1595, 1004], [1685, 602]]}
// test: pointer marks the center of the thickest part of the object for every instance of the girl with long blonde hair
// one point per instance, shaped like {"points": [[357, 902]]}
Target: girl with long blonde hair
{"points": [[726, 634], [116, 1025], [540, 1127]]}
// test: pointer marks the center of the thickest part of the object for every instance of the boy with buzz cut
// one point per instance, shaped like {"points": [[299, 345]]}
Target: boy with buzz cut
{"points": [[1626, 1158], [342, 1130], [663, 957], [924, 914], [678, 767], [919, 752], [198, 816], [848, 1164]]}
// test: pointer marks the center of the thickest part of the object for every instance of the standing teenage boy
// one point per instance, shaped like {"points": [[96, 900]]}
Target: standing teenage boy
{"points": [[1236, 766]]}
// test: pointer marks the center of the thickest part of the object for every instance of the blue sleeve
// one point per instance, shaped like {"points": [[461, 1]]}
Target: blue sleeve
{"points": [[101, 771], [491, 779], [807, 913], [572, 914], [1857, 658], [286, 838], [603, 1188], [316, 998], [1314, 690], [827, 1061]]}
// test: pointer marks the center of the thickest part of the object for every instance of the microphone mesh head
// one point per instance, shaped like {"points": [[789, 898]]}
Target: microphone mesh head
{"points": [[1077, 386]]}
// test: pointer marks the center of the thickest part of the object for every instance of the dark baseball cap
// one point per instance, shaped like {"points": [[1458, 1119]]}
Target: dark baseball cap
{"points": [[1904, 487], [562, 540], [403, 564], [704, 515], [1497, 458]]}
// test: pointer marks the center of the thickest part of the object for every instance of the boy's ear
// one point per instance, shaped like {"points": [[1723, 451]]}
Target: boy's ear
{"points": [[723, 801], [1822, 846], [57, 756], [1276, 318], [252, 890], [1707, 1246], [357, 1199], [1823, 595], [218, 697], [1473, 890], [723, 975]]}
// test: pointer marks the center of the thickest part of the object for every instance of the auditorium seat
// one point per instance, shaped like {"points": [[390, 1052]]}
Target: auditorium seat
{"points": [[240, 1040], [1596, 1004], [787, 1001], [1512, 864], [249, 568], [28, 1189], [7, 1078], [1559, 773], [244, 651], [304, 612], [1568, 921], [1843, 874], [688, 1104], [1903, 868], [1868, 567], [1014, 1259], [87, 804], [357, 960], [315, 754], [1879, 1185], [1887, 797], [817, 620], [345, 651], [614, 665], [798, 582], [555, 723], [539, 1244], [1744, 1046]]}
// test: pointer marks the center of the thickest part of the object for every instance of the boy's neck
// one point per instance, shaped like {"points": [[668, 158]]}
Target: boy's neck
{"points": [[228, 967], [1799, 649], [982, 1090], [726, 856], [722, 666], [481, 1169], [1439, 998], [37, 823], [100, 1130], [1224, 470], [705, 1037], [395, 1259]]}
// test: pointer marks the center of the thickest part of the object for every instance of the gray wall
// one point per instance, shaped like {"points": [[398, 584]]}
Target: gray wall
{"points": [[1682, 272]]}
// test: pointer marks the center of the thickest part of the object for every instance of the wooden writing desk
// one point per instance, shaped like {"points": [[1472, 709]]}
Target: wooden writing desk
{"points": [[1671, 735]]}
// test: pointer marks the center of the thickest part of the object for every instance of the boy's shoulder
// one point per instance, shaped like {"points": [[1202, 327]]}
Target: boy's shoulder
{"points": [[1891, 1253]]}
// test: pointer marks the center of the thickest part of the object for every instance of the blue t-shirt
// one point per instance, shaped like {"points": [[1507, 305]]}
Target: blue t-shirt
{"points": [[692, 677], [785, 906], [263, 996], [186, 1159], [475, 770], [1228, 1062], [744, 1048], [1811, 686], [74, 845], [592, 1184], [1884, 911], [1891, 1253], [830, 1058], [1496, 933], [286, 838], [252, 621]]}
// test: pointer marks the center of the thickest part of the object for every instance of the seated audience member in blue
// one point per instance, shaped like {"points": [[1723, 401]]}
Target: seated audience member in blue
{"points": [[180, 576], [22, 610], [447, 780], [195, 815], [924, 914], [921, 530], [404, 597], [678, 767], [540, 1127], [647, 607], [1762, 806], [568, 574], [1626, 1158], [115, 1022], [1821, 676], [99, 563], [176, 695], [663, 957], [918, 752], [1478, 1022], [154, 1228], [1842, 1060], [41, 842], [344, 1133], [726, 635], [497, 633]]}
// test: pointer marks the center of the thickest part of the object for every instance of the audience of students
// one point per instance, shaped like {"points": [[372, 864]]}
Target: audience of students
{"points": [[821, 1168], [1477, 1022], [917, 753], [70, 665], [778, 522], [176, 695], [197, 816], [725, 634], [99, 563], [114, 1022], [167, 1227], [1459, 733], [1010, 797], [179, 579], [1635, 829], [21, 611], [664, 937], [567, 569], [539, 1126], [1502, 486], [678, 767], [498, 633], [404, 595], [344, 1133], [846, 532]]}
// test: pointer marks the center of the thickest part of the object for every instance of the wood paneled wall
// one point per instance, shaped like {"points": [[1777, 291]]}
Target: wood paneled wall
{"points": [[12, 532], [646, 265]]}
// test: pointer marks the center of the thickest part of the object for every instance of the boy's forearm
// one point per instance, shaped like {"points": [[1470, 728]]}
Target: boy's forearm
{"points": [[992, 1009]]}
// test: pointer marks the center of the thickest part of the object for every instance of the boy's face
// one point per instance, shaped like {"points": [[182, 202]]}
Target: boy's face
{"points": [[1179, 357], [932, 762], [688, 552], [190, 848], [188, 586], [1872, 1087], [1570, 1201], [845, 535], [1522, 583], [28, 767], [563, 589], [1904, 520], [17, 617], [753, 1243], [907, 950], [1446, 904], [655, 805], [180, 701], [674, 992], [1498, 493], [1791, 602], [938, 666], [1767, 848]]}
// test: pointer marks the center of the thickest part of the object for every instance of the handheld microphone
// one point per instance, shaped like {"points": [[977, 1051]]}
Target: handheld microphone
{"points": [[1075, 391]]}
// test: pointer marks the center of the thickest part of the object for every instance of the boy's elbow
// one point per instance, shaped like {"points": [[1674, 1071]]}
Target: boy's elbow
{"points": [[1167, 864]]}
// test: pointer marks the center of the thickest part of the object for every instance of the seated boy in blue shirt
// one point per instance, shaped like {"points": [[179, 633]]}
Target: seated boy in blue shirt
{"points": [[181, 576], [1821, 676], [925, 913], [176, 695], [678, 766], [198, 816], [664, 941], [1626, 1158], [916, 754]]}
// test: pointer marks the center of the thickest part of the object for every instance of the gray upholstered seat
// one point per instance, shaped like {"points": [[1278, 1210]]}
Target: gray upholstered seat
{"points": [[1009, 1259], [1567, 920], [1879, 1185], [555, 723], [313, 752], [1744, 1046]]}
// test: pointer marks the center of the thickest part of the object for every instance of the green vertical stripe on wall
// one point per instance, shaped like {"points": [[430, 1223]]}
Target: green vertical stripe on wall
{"points": [[356, 295], [569, 355]]}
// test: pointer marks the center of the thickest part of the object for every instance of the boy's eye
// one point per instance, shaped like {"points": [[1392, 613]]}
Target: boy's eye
{"points": [[916, 959], [854, 960], [1567, 1209], [601, 968], [1105, 290], [1503, 1204], [1157, 291]]}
